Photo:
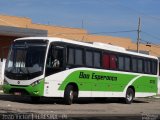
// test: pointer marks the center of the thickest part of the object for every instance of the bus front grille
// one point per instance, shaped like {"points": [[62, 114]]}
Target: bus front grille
{"points": [[21, 91]]}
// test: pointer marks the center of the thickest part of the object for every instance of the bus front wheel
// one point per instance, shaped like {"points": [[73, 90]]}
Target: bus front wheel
{"points": [[69, 95], [129, 96]]}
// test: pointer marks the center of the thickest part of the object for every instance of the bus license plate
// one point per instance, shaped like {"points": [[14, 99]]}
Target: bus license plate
{"points": [[17, 93]]}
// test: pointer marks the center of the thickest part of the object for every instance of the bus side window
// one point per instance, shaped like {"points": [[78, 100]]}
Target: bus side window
{"points": [[70, 56], [121, 63], [147, 66], [127, 64], [89, 59], [106, 61], [140, 65], [154, 67], [97, 61], [58, 58], [55, 60], [78, 57], [113, 62], [134, 64]]}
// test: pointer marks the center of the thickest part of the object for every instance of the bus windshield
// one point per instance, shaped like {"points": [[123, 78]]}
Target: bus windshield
{"points": [[26, 59]]}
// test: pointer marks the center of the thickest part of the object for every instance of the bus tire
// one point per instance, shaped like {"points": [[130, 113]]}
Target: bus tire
{"points": [[69, 95], [129, 96], [35, 99]]}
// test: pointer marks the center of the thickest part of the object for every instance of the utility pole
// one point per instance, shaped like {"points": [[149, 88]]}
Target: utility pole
{"points": [[82, 25], [138, 34]]}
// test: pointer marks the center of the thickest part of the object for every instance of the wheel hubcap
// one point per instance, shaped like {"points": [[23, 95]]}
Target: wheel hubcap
{"points": [[71, 95], [129, 96]]}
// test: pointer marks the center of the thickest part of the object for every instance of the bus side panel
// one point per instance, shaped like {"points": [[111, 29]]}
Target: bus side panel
{"points": [[55, 84], [145, 86], [99, 83]]}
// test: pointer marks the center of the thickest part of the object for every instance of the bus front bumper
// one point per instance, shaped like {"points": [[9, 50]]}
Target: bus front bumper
{"points": [[36, 90]]}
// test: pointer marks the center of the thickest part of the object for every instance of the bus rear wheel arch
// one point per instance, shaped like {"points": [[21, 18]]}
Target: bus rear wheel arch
{"points": [[130, 94], [70, 93]]}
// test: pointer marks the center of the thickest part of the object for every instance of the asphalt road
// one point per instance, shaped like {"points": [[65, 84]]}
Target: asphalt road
{"points": [[18, 107]]}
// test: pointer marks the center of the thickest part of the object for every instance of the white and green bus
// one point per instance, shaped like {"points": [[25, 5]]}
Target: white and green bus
{"points": [[57, 67]]}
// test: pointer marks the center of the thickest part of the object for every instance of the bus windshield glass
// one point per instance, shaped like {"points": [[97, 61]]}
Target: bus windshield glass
{"points": [[26, 59]]}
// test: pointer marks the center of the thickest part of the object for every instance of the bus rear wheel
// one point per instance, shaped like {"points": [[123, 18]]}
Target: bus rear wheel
{"points": [[129, 96], [69, 95]]}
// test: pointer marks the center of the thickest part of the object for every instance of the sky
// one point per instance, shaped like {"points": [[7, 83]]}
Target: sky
{"points": [[100, 17]]}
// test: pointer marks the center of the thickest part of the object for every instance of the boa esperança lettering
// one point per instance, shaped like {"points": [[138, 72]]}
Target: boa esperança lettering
{"points": [[96, 76]]}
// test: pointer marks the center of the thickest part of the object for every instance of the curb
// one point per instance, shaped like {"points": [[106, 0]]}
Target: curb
{"points": [[158, 97]]}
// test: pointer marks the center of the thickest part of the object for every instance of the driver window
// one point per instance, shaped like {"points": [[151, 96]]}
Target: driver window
{"points": [[55, 60]]}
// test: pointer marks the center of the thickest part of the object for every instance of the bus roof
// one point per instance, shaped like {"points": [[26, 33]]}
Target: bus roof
{"points": [[97, 45]]}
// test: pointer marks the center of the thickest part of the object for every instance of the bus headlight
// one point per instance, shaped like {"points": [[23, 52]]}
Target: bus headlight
{"points": [[35, 83]]}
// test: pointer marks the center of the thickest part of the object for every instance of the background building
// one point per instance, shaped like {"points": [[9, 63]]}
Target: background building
{"points": [[12, 27]]}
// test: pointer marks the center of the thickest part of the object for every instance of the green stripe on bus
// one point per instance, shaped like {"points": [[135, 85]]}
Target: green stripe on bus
{"points": [[108, 81], [146, 84]]}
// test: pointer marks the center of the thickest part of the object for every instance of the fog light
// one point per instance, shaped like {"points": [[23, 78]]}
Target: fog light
{"points": [[36, 92]]}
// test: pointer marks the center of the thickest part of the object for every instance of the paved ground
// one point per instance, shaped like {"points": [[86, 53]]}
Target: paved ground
{"points": [[17, 107]]}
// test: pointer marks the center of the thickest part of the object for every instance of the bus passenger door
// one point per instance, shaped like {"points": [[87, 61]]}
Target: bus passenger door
{"points": [[55, 64]]}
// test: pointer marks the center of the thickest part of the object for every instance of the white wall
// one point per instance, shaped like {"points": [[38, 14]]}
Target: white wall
{"points": [[2, 66]]}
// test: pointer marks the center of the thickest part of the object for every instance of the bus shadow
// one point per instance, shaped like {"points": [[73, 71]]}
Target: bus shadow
{"points": [[106, 101], [44, 100], [12, 98], [140, 101]]}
